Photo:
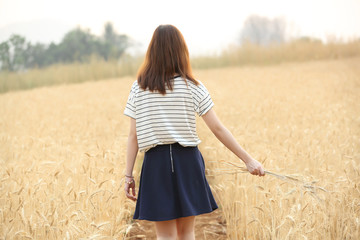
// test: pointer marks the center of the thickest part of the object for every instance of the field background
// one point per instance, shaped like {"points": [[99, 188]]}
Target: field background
{"points": [[62, 154], [95, 68]]}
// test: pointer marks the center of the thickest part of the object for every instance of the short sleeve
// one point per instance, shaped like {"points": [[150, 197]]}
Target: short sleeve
{"points": [[130, 108], [202, 99]]}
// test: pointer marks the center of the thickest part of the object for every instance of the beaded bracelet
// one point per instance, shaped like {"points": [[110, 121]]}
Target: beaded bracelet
{"points": [[132, 180]]}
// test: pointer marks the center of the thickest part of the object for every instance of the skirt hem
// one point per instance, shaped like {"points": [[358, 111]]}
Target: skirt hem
{"points": [[172, 218]]}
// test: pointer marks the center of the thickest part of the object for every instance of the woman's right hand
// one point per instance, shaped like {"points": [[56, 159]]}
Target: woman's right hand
{"points": [[255, 168], [130, 188]]}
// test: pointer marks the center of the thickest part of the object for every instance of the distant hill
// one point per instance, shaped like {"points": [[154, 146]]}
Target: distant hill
{"points": [[40, 30]]}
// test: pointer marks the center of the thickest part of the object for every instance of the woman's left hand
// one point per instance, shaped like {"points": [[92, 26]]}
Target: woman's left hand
{"points": [[255, 168], [130, 187]]}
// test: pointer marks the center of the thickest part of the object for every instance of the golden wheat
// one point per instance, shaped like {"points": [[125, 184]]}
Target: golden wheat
{"points": [[62, 153]]}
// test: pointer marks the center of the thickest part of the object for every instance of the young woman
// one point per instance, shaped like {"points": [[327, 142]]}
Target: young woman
{"points": [[162, 105]]}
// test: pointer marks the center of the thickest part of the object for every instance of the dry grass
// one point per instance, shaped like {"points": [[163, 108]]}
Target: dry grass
{"points": [[294, 51], [62, 153], [58, 74]]}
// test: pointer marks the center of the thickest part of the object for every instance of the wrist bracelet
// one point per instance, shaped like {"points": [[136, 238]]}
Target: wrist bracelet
{"points": [[130, 182], [129, 176]]}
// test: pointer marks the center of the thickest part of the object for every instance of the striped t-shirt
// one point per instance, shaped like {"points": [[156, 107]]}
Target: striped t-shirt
{"points": [[165, 119]]}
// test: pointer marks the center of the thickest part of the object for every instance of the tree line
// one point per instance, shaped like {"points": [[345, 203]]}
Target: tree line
{"points": [[78, 45]]}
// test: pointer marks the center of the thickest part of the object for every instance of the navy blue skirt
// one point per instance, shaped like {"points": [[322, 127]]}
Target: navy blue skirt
{"points": [[173, 184]]}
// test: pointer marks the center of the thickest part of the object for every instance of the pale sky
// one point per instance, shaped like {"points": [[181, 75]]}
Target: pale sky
{"points": [[207, 25]]}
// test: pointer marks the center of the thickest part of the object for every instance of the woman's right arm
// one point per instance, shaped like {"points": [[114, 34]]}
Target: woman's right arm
{"points": [[225, 136], [132, 150]]}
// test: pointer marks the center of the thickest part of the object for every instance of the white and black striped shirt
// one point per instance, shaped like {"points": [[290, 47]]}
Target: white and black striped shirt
{"points": [[165, 119]]}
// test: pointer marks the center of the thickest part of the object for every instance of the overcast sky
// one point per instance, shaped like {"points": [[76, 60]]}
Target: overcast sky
{"points": [[206, 25]]}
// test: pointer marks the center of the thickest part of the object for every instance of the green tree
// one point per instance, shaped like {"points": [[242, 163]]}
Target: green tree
{"points": [[37, 56], [20, 53], [5, 59], [113, 44], [77, 45], [14, 53]]}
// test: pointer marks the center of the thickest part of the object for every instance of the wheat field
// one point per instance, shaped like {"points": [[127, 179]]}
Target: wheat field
{"points": [[62, 154]]}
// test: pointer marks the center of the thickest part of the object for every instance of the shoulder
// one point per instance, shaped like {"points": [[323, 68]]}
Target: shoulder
{"points": [[194, 85], [199, 88], [135, 87]]}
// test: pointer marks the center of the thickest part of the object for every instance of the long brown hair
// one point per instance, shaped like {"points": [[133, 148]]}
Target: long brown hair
{"points": [[166, 56]]}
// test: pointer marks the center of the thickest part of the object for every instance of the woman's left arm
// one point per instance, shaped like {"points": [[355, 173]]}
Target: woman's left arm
{"points": [[225, 136]]}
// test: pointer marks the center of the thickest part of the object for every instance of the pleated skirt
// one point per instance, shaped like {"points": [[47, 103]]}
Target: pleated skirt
{"points": [[173, 184]]}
